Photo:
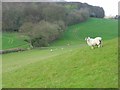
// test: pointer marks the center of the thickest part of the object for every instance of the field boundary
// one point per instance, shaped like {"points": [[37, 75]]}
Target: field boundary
{"points": [[11, 50]]}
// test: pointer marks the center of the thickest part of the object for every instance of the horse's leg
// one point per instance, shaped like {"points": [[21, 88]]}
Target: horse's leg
{"points": [[99, 46]]}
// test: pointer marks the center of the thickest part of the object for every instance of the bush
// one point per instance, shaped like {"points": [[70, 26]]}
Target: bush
{"points": [[40, 34], [39, 42], [61, 24]]}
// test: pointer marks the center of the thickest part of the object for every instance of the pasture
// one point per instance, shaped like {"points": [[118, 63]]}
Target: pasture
{"points": [[75, 34], [13, 40], [71, 63]]}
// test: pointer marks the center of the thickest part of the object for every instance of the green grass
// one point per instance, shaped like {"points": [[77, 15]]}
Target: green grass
{"points": [[74, 66], [13, 40], [106, 28]]}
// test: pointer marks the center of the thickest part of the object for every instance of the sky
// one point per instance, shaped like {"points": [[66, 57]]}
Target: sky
{"points": [[110, 6]]}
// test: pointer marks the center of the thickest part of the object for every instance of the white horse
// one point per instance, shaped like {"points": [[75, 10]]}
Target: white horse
{"points": [[94, 42]]}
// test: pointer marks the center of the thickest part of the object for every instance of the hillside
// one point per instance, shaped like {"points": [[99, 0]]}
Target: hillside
{"points": [[13, 40], [73, 66], [75, 34]]}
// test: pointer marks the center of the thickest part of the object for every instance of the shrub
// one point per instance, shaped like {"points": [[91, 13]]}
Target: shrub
{"points": [[40, 34]]}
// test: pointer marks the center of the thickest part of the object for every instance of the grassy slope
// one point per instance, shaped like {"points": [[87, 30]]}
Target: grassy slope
{"points": [[13, 40], [76, 34], [74, 66], [77, 67]]}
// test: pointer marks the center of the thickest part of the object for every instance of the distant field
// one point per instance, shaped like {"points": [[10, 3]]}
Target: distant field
{"points": [[68, 66], [13, 40]]}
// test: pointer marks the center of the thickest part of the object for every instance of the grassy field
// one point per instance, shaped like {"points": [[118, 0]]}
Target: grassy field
{"points": [[106, 28], [13, 40], [73, 65]]}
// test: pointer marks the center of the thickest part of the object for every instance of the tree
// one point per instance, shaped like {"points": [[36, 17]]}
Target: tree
{"points": [[54, 12], [40, 34], [77, 16]]}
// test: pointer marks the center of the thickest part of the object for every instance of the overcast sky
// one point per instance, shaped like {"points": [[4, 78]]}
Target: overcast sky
{"points": [[110, 6]]}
